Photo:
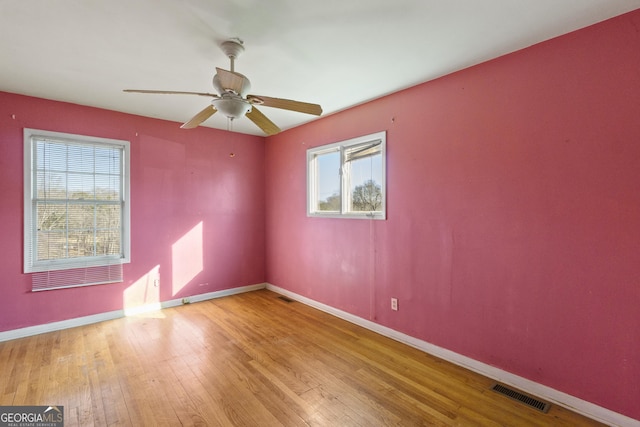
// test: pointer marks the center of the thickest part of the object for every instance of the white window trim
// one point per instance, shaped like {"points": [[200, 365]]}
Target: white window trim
{"points": [[30, 263], [312, 173]]}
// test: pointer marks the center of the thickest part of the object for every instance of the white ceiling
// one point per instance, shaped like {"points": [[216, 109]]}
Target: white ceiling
{"points": [[337, 53]]}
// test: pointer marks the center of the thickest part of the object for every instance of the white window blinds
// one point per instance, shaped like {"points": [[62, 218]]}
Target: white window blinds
{"points": [[76, 212]]}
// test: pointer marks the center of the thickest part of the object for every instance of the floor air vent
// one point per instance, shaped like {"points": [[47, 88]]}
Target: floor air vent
{"points": [[527, 400], [285, 299]]}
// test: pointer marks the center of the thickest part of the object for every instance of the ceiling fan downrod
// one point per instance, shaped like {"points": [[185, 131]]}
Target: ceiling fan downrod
{"points": [[232, 48]]}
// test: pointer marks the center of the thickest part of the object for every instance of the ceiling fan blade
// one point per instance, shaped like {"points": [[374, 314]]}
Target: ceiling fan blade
{"points": [[171, 92], [262, 121], [203, 115], [286, 104], [233, 81]]}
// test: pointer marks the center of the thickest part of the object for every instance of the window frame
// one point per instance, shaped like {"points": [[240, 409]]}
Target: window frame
{"points": [[31, 263], [345, 185]]}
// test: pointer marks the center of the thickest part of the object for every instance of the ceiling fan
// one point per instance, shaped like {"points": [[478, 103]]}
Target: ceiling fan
{"points": [[233, 98]]}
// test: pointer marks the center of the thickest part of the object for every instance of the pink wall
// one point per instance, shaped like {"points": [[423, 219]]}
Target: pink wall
{"points": [[513, 230], [196, 213]]}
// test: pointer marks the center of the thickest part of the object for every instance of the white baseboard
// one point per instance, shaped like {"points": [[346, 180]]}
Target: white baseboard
{"points": [[101, 317], [57, 326], [575, 404]]}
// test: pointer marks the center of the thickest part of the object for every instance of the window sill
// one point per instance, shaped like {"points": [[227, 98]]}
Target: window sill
{"points": [[368, 215]]}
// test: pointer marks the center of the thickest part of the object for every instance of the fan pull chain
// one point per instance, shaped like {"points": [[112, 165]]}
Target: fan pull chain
{"points": [[231, 138]]}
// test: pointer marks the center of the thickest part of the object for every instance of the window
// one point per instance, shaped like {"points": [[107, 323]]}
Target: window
{"points": [[347, 179], [76, 206]]}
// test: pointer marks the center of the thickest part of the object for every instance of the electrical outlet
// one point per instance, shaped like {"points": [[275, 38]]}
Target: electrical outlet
{"points": [[394, 304], [156, 283], [186, 300]]}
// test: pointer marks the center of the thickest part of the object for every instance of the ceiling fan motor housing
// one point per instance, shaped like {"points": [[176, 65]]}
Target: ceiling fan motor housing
{"points": [[244, 87]]}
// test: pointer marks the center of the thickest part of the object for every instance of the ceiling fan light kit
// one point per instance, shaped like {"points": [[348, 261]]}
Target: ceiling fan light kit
{"points": [[232, 107], [233, 99]]}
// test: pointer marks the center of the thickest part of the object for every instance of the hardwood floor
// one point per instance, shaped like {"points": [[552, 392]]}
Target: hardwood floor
{"points": [[249, 360]]}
